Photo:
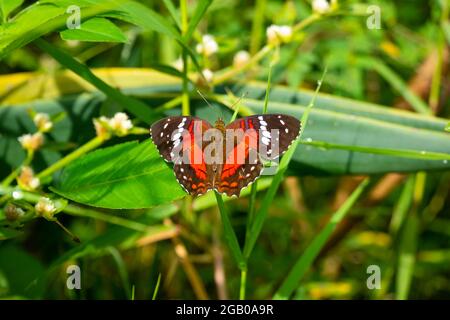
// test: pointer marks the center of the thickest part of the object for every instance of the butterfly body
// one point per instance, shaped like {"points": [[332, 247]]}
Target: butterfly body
{"points": [[222, 157]]}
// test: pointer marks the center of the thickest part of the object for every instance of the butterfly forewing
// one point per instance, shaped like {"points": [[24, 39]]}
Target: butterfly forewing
{"points": [[179, 133], [275, 132]]}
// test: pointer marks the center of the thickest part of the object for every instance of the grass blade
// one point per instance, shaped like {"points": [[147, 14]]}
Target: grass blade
{"points": [[136, 107], [307, 258], [200, 10], [230, 235], [260, 217], [155, 292]]}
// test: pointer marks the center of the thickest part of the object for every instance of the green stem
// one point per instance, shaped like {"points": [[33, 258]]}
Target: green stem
{"points": [[257, 26], [230, 73], [230, 235], [92, 144], [243, 284], [307, 258], [77, 211], [220, 78], [185, 108]]}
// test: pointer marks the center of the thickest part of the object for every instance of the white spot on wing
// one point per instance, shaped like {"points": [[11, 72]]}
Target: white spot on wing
{"points": [[176, 136], [260, 118], [252, 168], [165, 126], [266, 134], [263, 123], [161, 135], [265, 140], [282, 122], [286, 130]]}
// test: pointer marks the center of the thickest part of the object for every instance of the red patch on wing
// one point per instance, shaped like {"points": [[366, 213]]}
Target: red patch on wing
{"points": [[240, 153]]}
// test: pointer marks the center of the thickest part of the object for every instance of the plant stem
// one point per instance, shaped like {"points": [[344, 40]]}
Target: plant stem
{"points": [[92, 144], [307, 258], [185, 109], [257, 26], [243, 284], [33, 197], [230, 73]]}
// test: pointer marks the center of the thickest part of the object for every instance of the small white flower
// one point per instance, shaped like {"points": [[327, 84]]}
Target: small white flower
{"points": [[26, 180], [278, 34], [320, 6], [208, 46], [178, 64], [241, 58], [31, 142], [120, 123], [208, 74], [42, 122], [45, 207]]}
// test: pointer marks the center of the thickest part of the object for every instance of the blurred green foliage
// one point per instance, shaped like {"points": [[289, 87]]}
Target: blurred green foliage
{"points": [[401, 222]]}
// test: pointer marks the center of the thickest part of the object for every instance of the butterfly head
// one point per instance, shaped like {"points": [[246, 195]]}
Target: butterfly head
{"points": [[220, 124]]}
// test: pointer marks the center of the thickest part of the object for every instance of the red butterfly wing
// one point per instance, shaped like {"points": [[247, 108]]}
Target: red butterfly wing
{"points": [[179, 140]]}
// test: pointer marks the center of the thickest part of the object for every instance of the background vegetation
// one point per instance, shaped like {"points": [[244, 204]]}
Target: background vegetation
{"points": [[367, 184]]}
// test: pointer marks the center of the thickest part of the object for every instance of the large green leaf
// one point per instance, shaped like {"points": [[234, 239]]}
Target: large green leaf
{"points": [[95, 29], [20, 269], [351, 130], [128, 175], [256, 90]]}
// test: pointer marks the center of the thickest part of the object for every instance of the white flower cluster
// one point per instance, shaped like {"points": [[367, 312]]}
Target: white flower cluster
{"points": [[31, 142], [278, 34], [208, 46], [241, 58], [26, 180], [45, 207], [43, 122], [120, 125], [321, 6]]}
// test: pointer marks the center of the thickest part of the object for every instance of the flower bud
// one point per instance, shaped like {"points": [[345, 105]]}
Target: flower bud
{"points": [[45, 208], [278, 34], [43, 122], [31, 142], [26, 180], [208, 46], [241, 58], [120, 124]]}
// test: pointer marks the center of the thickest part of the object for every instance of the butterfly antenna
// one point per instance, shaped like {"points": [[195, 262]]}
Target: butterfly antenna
{"points": [[238, 100], [209, 104]]}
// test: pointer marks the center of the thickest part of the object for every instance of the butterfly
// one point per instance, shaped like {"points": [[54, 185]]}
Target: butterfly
{"points": [[225, 158]]}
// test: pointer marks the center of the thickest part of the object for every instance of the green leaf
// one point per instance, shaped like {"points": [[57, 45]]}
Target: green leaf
{"points": [[95, 29], [136, 107], [128, 175], [8, 6], [8, 233], [173, 12], [200, 10], [20, 270]]}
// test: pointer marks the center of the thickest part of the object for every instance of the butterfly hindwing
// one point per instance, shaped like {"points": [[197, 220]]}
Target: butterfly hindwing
{"points": [[241, 177], [192, 182]]}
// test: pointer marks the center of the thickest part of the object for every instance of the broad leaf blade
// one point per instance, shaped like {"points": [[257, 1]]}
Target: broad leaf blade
{"points": [[97, 30], [128, 175]]}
